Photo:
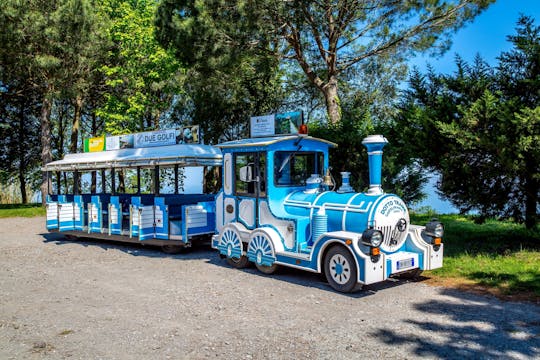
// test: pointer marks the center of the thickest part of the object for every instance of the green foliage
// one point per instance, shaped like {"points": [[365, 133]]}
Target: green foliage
{"points": [[400, 173], [141, 77], [477, 128], [497, 254], [327, 40], [227, 80]]}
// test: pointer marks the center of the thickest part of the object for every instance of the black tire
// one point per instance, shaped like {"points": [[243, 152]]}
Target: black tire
{"points": [[268, 270], [340, 269], [172, 249], [238, 263]]}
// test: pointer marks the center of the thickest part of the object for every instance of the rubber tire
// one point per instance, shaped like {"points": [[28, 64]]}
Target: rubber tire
{"points": [[351, 284], [268, 270], [238, 263], [172, 249]]}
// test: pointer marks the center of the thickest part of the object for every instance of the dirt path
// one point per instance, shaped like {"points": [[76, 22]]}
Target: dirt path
{"points": [[90, 299]]}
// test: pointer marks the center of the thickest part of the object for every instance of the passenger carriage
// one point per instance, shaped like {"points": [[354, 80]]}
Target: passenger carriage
{"points": [[136, 196]]}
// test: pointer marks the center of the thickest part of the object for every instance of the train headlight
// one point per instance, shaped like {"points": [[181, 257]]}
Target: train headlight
{"points": [[435, 229], [372, 237]]}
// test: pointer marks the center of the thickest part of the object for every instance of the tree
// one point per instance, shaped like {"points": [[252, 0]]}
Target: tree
{"points": [[478, 128], [43, 44], [141, 77], [325, 39], [227, 80], [19, 131]]}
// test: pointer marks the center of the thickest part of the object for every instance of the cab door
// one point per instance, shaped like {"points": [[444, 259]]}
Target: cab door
{"points": [[249, 186]]}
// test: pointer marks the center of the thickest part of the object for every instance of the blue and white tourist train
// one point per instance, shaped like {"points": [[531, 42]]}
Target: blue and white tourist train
{"points": [[278, 206]]}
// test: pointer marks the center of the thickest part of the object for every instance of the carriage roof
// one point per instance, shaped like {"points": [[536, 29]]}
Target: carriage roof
{"points": [[182, 155]]}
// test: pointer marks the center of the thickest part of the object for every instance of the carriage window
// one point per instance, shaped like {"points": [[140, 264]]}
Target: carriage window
{"points": [[126, 181], [167, 180], [294, 168], [147, 180]]}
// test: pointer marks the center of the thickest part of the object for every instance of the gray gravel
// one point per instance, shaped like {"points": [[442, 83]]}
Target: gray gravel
{"points": [[90, 299]]}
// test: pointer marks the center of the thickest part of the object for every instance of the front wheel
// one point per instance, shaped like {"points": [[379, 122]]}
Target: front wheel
{"points": [[340, 269]]}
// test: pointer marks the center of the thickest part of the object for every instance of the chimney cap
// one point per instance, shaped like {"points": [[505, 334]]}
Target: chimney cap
{"points": [[374, 139]]}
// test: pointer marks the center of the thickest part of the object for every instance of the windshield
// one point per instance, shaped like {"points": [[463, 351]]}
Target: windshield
{"points": [[293, 168]]}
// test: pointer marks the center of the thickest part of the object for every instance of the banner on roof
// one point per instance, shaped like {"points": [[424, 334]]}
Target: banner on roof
{"points": [[94, 144], [119, 142], [188, 135], [276, 124], [155, 138]]}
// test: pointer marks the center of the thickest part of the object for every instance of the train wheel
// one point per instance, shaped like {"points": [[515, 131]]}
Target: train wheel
{"points": [[172, 249], [340, 269], [268, 270], [261, 251], [231, 246], [238, 262]]}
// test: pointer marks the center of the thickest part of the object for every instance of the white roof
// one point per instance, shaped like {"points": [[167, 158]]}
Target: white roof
{"points": [[265, 141], [182, 155]]}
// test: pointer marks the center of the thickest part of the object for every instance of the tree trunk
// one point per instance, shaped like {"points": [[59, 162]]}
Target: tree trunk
{"points": [[76, 124], [21, 150], [531, 197], [46, 153], [331, 97]]}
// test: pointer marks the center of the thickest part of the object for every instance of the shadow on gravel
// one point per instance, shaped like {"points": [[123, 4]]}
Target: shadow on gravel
{"points": [[308, 279], [478, 327], [197, 251], [202, 251]]}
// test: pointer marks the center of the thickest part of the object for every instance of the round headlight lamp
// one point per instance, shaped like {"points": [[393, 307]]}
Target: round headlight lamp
{"points": [[372, 237], [434, 228]]}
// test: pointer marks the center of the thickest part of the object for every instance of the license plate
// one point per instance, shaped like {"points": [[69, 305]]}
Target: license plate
{"points": [[407, 263]]}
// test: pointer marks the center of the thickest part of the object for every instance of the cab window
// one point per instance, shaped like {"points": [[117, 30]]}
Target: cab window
{"points": [[293, 168], [250, 174]]}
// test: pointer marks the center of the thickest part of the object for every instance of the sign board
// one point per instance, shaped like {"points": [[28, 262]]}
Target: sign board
{"points": [[120, 142], [188, 135], [185, 135], [276, 124], [155, 138], [94, 144], [262, 125]]}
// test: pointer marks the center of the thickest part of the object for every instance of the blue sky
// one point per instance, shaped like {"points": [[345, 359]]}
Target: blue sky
{"points": [[485, 35]]}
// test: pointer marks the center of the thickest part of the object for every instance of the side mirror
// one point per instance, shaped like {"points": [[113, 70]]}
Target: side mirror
{"points": [[246, 173]]}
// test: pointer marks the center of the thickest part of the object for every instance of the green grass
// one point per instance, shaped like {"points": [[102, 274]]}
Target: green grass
{"points": [[21, 210], [500, 256]]}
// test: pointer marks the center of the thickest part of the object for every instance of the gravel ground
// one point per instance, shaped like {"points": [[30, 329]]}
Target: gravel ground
{"points": [[100, 300]]}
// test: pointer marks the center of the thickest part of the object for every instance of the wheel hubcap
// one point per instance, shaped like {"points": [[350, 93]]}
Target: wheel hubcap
{"points": [[340, 269]]}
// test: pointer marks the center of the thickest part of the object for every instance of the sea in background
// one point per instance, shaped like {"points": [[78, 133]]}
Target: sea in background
{"points": [[433, 201]]}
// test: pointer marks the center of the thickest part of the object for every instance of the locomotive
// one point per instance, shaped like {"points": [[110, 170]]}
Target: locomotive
{"points": [[277, 206]]}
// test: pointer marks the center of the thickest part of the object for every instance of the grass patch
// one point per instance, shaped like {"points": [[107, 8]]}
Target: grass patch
{"points": [[21, 210], [497, 257]]}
